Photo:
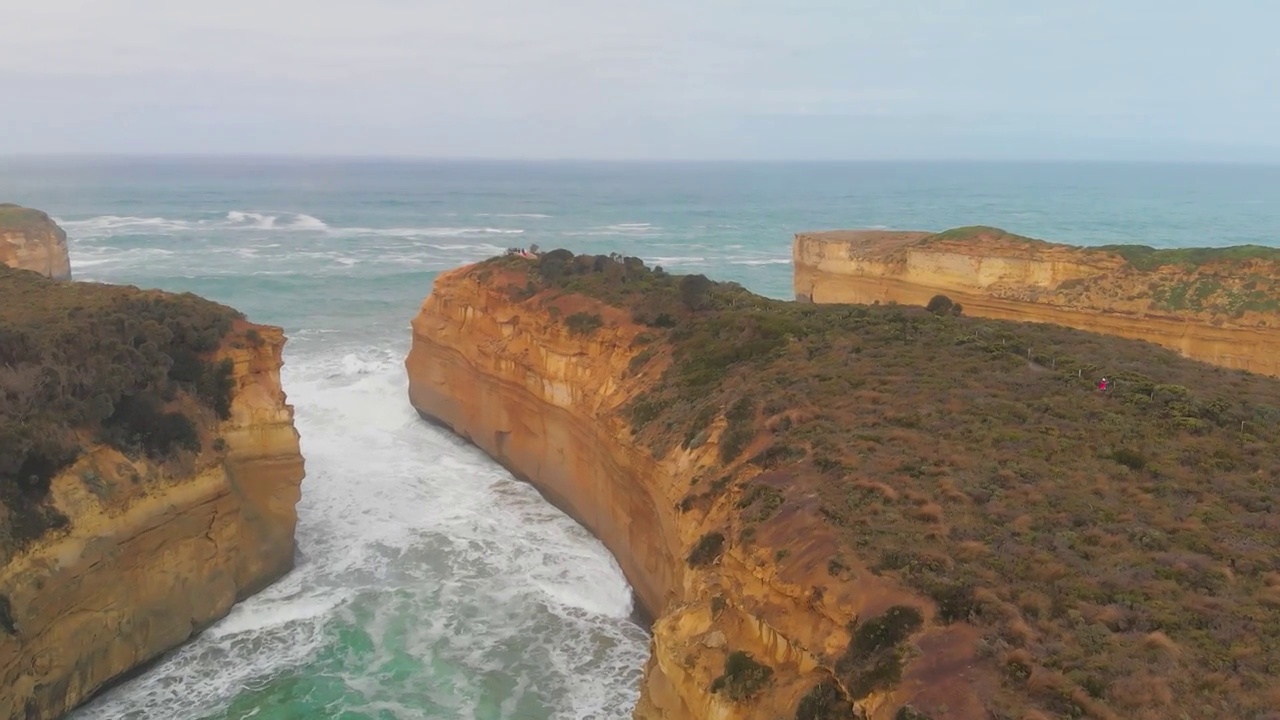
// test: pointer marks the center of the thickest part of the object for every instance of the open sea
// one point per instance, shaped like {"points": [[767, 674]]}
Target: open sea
{"points": [[429, 583]]}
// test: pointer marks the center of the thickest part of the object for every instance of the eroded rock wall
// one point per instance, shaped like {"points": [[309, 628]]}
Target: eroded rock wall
{"points": [[31, 240], [1080, 288], [153, 554], [509, 376]]}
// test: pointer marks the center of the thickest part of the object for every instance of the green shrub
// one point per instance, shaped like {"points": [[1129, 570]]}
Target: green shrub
{"points": [[707, 550], [583, 323], [873, 659], [1131, 459], [6, 616], [940, 305], [140, 423], [734, 441], [743, 677], [824, 701], [760, 502]]}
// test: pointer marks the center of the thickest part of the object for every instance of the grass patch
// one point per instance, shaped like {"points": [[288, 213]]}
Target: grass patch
{"points": [[979, 232]]}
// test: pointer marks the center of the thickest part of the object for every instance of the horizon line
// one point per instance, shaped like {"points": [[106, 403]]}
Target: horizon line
{"points": [[413, 158]]}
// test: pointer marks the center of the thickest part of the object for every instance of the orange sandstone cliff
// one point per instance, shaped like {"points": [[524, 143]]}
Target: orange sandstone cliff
{"points": [[31, 240], [153, 553], [1220, 306], [512, 377]]}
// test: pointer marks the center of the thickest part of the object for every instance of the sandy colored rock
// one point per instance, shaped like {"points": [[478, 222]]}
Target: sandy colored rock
{"points": [[31, 240], [154, 553], [1217, 306], [545, 403]]}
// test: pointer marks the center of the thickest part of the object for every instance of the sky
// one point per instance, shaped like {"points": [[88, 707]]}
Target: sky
{"points": [[658, 79]]}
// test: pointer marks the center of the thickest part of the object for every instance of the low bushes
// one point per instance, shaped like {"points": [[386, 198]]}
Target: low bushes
{"points": [[975, 462], [102, 360]]}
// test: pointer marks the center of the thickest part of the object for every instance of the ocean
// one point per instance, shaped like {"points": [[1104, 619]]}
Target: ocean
{"points": [[429, 582]]}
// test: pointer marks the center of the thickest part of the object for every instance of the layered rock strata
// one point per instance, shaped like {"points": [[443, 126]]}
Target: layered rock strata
{"points": [[31, 240], [547, 403], [153, 553], [1220, 306]]}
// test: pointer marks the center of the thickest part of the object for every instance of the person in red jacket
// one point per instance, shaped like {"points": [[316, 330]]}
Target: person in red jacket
{"points": [[1103, 385]]}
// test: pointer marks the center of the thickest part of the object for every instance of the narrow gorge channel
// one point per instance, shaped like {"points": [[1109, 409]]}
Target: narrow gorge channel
{"points": [[430, 583]]}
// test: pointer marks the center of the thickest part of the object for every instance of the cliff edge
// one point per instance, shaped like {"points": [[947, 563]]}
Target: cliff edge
{"points": [[31, 240], [832, 512], [1217, 305], [149, 479]]}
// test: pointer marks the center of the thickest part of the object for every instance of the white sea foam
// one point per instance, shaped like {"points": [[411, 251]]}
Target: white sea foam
{"points": [[616, 229], [514, 215], [759, 261], [107, 226], [415, 540], [667, 261]]}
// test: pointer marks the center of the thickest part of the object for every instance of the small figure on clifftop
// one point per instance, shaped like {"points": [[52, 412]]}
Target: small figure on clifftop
{"points": [[1103, 385]]}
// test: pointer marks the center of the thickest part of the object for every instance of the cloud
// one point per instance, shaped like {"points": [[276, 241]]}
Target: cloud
{"points": [[585, 76]]}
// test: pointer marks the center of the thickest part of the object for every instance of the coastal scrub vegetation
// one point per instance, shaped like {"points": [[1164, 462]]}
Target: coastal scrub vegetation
{"points": [[1222, 282], [1144, 257], [83, 362], [1119, 551], [1140, 257], [743, 677], [16, 217]]}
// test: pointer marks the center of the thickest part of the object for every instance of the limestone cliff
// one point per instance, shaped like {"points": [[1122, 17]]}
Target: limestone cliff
{"points": [[547, 402], [153, 552], [31, 240], [1220, 306]]}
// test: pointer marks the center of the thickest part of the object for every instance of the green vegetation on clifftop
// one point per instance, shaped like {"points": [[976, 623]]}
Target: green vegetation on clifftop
{"points": [[1143, 257], [975, 232], [85, 362], [1119, 552], [16, 217]]}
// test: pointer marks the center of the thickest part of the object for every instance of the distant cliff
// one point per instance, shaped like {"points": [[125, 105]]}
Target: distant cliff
{"points": [[31, 240], [149, 472], [1218, 305]]}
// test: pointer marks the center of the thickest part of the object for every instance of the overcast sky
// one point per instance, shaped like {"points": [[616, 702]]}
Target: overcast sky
{"points": [[776, 79]]}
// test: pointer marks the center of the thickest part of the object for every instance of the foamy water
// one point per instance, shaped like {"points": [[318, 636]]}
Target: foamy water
{"points": [[429, 583]]}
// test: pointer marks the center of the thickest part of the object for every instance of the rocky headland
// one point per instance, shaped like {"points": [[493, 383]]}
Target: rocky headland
{"points": [[1217, 305], [149, 472], [838, 511], [31, 240]]}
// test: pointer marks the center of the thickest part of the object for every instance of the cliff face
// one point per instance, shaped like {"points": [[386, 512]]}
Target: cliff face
{"points": [[1216, 306], [31, 240], [509, 376], [154, 553]]}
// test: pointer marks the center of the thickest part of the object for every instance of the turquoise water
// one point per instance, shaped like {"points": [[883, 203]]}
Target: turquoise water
{"points": [[429, 583]]}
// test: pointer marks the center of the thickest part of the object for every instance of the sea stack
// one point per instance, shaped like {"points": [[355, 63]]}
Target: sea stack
{"points": [[31, 240]]}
